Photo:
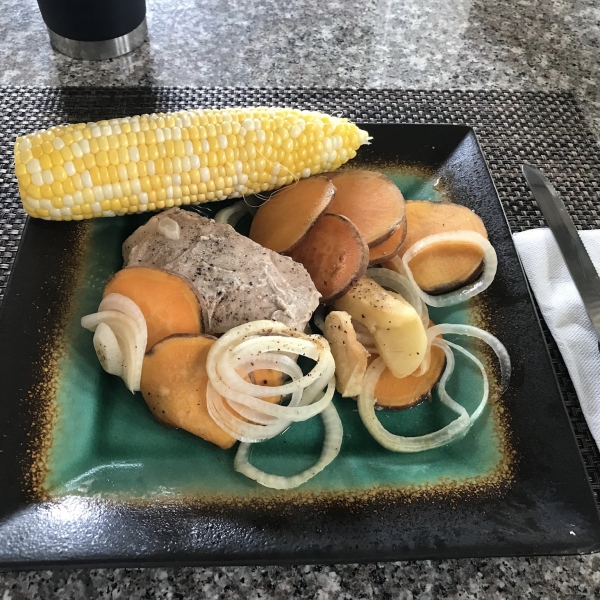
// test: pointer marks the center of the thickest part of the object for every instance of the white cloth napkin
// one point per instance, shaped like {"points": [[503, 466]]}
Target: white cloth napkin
{"points": [[564, 313]]}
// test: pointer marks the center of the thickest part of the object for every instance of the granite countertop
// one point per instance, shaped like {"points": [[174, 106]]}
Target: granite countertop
{"points": [[426, 44]]}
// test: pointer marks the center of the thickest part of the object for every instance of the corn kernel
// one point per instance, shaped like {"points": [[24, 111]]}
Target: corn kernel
{"points": [[104, 176]]}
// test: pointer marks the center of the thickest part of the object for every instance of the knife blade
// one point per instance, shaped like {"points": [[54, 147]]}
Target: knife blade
{"points": [[577, 259]]}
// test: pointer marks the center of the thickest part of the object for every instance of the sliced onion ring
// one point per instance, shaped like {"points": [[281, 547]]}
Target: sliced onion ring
{"points": [[108, 350], [232, 214], [228, 383], [398, 443], [331, 448], [490, 264], [131, 342], [496, 345]]}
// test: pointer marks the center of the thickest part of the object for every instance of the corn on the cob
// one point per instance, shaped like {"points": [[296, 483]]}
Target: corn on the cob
{"points": [[157, 161]]}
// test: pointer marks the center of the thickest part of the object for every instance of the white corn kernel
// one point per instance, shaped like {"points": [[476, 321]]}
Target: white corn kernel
{"points": [[70, 168], [96, 208], [107, 190], [143, 198], [98, 194], [205, 146], [25, 145], [48, 177], [204, 174], [136, 186], [32, 203], [86, 179], [134, 154], [222, 140], [36, 179], [78, 198], [54, 213], [33, 166], [85, 146], [46, 204], [195, 161], [68, 200]]}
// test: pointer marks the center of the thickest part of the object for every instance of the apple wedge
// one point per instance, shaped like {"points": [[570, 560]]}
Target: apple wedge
{"points": [[394, 324]]}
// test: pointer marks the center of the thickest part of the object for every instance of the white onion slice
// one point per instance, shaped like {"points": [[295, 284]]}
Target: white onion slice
{"points": [[131, 342], [282, 363], [232, 214], [492, 341], [331, 448], [238, 428], [490, 264], [398, 443], [108, 350], [168, 228], [130, 308], [486, 385], [227, 382], [314, 349]]}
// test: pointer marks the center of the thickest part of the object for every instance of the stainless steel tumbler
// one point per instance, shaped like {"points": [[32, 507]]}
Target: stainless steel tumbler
{"points": [[95, 29]]}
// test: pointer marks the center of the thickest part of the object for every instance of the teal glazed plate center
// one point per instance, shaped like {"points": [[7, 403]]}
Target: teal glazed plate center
{"points": [[105, 440]]}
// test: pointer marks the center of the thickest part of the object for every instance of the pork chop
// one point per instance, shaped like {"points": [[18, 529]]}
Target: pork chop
{"points": [[236, 279]]}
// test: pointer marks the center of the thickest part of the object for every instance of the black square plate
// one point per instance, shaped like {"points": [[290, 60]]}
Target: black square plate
{"points": [[546, 508]]}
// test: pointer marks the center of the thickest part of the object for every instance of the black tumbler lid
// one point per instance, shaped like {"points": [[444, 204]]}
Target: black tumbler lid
{"points": [[92, 20]]}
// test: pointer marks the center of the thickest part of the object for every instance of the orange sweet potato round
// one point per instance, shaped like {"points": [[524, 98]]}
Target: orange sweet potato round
{"points": [[167, 302], [173, 384], [334, 254], [371, 201], [445, 266], [394, 393], [285, 218], [389, 248]]}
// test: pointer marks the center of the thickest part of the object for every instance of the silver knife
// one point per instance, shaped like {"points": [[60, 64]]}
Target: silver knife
{"points": [[577, 259]]}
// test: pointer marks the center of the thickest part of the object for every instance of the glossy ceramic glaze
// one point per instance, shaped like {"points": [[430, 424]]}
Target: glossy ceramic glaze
{"points": [[90, 478]]}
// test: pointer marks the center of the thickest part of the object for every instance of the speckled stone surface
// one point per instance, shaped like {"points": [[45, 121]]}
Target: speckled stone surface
{"points": [[516, 44], [428, 44]]}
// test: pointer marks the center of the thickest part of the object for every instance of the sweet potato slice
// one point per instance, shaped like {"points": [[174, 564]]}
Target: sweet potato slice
{"points": [[371, 201], [268, 377], [334, 254], [174, 383], [389, 248], [285, 218], [168, 303], [397, 394], [446, 266]]}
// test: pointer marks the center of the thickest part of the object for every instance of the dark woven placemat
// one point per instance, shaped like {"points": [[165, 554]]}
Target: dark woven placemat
{"points": [[513, 127]]}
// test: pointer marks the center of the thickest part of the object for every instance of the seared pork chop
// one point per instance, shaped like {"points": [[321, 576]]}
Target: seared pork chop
{"points": [[236, 279]]}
